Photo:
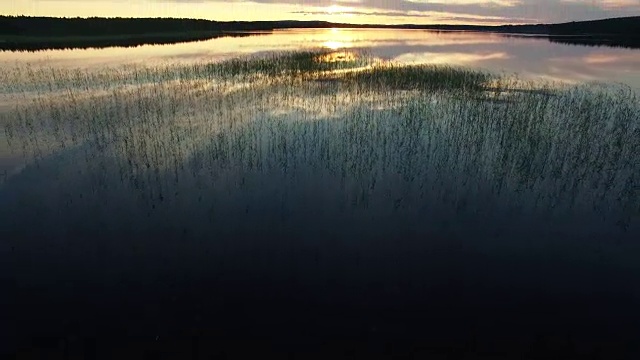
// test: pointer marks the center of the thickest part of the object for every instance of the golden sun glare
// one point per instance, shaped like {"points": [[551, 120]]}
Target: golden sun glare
{"points": [[333, 9], [337, 39], [339, 10]]}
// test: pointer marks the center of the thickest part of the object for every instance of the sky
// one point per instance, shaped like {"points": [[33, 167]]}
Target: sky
{"points": [[347, 11]]}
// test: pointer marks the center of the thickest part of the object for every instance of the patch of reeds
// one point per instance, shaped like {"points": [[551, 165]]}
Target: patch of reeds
{"points": [[372, 145]]}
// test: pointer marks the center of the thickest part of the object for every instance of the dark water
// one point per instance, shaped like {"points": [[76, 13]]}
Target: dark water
{"points": [[237, 262], [411, 256]]}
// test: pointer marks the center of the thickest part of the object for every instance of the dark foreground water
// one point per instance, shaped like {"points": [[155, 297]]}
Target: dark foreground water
{"points": [[300, 264]]}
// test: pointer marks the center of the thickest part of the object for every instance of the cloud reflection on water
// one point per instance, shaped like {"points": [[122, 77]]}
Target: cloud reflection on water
{"points": [[531, 56]]}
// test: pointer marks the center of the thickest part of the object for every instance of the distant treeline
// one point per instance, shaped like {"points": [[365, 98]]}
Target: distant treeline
{"points": [[624, 27], [36, 33], [60, 27], [617, 32], [628, 27], [22, 33], [95, 26]]}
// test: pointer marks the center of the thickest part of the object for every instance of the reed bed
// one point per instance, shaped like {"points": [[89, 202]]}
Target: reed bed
{"points": [[295, 143]]}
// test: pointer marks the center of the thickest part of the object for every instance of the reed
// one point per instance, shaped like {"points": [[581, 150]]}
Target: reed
{"points": [[293, 142]]}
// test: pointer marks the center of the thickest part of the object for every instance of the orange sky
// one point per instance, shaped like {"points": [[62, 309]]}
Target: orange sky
{"points": [[351, 11]]}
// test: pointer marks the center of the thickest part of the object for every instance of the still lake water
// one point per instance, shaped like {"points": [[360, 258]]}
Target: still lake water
{"points": [[390, 244], [530, 57]]}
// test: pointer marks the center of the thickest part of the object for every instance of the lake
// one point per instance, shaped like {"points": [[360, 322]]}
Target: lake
{"points": [[529, 56], [319, 205]]}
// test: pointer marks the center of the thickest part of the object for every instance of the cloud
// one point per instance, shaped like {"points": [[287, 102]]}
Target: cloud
{"points": [[490, 11], [534, 10], [434, 15], [485, 3]]}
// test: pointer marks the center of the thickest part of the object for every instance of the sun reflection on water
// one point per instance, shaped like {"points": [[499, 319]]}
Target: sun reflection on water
{"points": [[337, 39]]}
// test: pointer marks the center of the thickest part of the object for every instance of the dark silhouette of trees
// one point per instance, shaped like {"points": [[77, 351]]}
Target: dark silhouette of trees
{"points": [[52, 27], [627, 27], [57, 27], [36, 33]]}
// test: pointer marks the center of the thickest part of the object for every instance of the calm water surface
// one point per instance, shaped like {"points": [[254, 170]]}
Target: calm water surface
{"points": [[531, 57], [428, 244]]}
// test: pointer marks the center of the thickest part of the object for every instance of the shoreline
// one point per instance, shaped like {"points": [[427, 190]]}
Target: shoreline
{"points": [[41, 33], [34, 44]]}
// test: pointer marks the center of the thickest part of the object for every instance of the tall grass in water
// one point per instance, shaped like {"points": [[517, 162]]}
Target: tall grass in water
{"points": [[420, 146]]}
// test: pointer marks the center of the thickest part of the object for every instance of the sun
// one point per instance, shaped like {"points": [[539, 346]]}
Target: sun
{"points": [[338, 10], [333, 9]]}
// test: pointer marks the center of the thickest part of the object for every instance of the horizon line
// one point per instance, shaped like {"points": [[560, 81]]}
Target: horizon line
{"points": [[317, 21]]}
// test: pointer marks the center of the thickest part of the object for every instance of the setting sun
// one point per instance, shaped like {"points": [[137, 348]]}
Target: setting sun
{"points": [[339, 10]]}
